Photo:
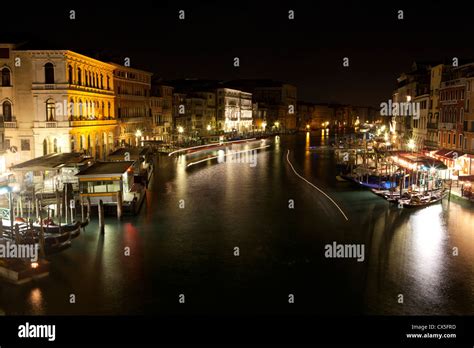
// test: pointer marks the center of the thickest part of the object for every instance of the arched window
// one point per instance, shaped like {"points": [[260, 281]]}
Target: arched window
{"points": [[73, 144], [108, 82], [7, 111], [81, 109], [50, 110], [49, 73], [45, 147], [55, 145], [102, 110], [79, 76], [108, 111], [69, 73], [72, 109], [87, 78], [101, 81], [6, 77], [81, 142], [89, 141]]}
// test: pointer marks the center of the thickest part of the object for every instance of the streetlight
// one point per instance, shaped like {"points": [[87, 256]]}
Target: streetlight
{"points": [[307, 126], [208, 127], [277, 124], [180, 129], [138, 134], [411, 144]]}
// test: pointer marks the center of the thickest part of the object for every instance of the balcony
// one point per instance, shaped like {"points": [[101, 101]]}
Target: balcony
{"points": [[91, 123], [65, 86], [10, 124], [446, 126]]}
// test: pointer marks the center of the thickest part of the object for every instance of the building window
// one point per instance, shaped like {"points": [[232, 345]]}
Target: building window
{"points": [[55, 145], [25, 144], [460, 140], [108, 82], [7, 111], [48, 73], [6, 77], [81, 109], [73, 143], [45, 147], [69, 73], [449, 138], [79, 76], [108, 111], [50, 111], [7, 143], [101, 81]]}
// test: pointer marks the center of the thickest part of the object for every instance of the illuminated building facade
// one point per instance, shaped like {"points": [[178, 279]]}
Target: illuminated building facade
{"points": [[234, 110], [55, 101], [133, 104]]}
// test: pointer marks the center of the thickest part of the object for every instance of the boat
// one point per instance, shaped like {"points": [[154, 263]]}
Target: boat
{"points": [[54, 241], [51, 228], [370, 181], [422, 200]]}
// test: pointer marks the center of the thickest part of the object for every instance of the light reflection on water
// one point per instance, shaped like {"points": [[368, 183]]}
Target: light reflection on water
{"points": [[227, 205]]}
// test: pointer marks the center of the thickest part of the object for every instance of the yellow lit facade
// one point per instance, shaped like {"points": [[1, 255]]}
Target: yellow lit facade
{"points": [[59, 101]]}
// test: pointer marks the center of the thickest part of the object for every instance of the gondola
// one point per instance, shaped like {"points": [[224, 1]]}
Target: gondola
{"points": [[417, 201]]}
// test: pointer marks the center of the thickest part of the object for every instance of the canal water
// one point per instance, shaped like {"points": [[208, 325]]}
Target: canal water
{"points": [[184, 242]]}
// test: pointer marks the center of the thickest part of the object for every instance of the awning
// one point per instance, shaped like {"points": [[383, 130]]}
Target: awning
{"points": [[449, 154]]}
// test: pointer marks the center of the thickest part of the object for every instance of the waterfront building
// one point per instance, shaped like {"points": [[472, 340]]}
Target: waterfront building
{"points": [[410, 85], [133, 106], [55, 101], [419, 123], [279, 99], [234, 110], [161, 101], [452, 107], [432, 137]]}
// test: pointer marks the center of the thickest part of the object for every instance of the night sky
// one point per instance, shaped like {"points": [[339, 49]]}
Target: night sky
{"points": [[306, 51]]}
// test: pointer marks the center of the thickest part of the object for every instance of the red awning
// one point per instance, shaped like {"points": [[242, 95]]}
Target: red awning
{"points": [[449, 154]]}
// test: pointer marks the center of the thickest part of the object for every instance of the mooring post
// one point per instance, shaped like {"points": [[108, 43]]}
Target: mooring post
{"points": [[82, 209], [119, 205], [88, 207], [41, 236], [101, 217]]}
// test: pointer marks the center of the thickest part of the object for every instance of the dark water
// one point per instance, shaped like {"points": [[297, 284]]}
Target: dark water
{"points": [[190, 251]]}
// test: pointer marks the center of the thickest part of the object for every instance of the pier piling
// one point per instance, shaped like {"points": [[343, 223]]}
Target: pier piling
{"points": [[101, 217]]}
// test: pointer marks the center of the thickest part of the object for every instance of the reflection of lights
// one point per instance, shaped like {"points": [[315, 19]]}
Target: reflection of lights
{"points": [[208, 127], [408, 98], [411, 144], [277, 124], [427, 233], [34, 265], [307, 126], [180, 129], [264, 124], [138, 133], [36, 300]]}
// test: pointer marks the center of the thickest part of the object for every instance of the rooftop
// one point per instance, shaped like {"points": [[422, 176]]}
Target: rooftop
{"points": [[52, 161], [106, 169]]}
